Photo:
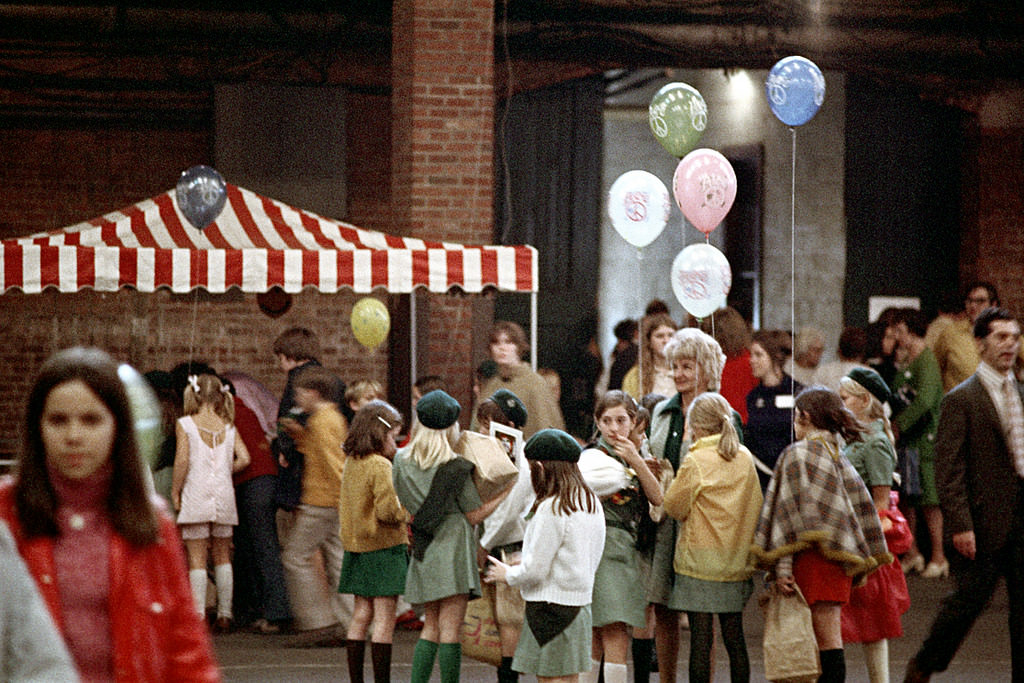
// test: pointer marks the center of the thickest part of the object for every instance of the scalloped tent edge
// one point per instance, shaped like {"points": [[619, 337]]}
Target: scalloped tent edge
{"points": [[256, 243]]}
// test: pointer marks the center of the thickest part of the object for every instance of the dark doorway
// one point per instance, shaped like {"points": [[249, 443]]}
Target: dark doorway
{"points": [[742, 226]]}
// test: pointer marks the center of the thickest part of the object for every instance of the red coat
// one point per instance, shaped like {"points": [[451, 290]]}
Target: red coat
{"points": [[157, 634]]}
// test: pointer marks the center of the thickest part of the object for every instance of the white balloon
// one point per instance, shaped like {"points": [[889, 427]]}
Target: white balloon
{"points": [[701, 279], [638, 204]]}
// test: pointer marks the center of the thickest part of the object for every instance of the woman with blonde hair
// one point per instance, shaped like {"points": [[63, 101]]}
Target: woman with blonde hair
{"points": [[716, 497], [653, 373], [434, 484]]}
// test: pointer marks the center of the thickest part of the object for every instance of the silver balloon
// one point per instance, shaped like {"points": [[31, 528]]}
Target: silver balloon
{"points": [[147, 414], [201, 194]]}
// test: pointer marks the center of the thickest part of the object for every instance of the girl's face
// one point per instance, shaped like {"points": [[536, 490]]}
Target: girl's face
{"points": [[504, 351], [659, 338], [615, 424], [801, 424], [391, 443], [760, 361], [858, 405], [686, 374], [77, 430]]}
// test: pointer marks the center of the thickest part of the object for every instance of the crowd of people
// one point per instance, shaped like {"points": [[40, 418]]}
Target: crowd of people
{"points": [[719, 456]]}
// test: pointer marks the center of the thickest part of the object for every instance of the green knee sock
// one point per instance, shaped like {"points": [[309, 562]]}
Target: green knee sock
{"points": [[449, 659], [423, 660]]}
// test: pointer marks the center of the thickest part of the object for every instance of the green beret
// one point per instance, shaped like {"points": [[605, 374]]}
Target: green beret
{"points": [[552, 444], [872, 381], [437, 410], [511, 406]]}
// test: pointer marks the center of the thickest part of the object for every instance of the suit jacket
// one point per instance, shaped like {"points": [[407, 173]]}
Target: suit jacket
{"points": [[978, 485]]}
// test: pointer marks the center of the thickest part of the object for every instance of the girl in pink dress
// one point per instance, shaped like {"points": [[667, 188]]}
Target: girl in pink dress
{"points": [[206, 455]]}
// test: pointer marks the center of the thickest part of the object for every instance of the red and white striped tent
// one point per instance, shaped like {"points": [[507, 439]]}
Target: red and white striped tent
{"points": [[255, 244]]}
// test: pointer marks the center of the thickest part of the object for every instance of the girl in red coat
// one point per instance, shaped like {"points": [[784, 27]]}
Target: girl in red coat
{"points": [[107, 560]]}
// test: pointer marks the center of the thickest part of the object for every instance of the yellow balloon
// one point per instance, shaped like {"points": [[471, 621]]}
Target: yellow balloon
{"points": [[370, 322]]}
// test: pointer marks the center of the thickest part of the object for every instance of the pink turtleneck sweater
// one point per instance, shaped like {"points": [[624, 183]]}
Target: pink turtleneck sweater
{"points": [[82, 558]]}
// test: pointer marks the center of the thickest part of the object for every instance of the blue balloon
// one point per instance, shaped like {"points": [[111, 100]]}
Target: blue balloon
{"points": [[201, 194], [795, 90]]}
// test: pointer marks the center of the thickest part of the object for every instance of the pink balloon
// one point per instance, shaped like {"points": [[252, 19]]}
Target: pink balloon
{"points": [[704, 185]]}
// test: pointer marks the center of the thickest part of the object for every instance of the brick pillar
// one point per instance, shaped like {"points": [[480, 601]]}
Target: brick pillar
{"points": [[442, 61]]}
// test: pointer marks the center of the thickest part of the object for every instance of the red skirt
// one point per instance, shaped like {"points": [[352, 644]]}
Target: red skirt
{"points": [[819, 579], [873, 612]]}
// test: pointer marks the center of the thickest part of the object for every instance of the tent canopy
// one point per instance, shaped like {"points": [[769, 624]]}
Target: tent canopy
{"points": [[255, 244]]}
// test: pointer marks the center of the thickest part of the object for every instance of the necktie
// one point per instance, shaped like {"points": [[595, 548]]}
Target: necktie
{"points": [[1015, 426]]}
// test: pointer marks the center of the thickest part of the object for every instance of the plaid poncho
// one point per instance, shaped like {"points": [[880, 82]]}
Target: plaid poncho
{"points": [[816, 499]]}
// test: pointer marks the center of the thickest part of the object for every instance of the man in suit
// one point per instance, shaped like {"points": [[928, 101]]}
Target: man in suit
{"points": [[979, 462]]}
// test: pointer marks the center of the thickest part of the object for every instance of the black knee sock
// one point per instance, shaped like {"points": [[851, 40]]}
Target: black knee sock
{"points": [[505, 672], [643, 654], [701, 642], [356, 652], [380, 653], [833, 666]]}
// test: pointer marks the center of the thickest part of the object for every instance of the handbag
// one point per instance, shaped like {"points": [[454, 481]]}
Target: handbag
{"points": [[479, 636], [790, 648], [493, 470]]}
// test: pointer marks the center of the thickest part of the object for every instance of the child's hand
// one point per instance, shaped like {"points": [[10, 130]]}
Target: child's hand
{"points": [[289, 425], [626, 449], [497, 571]]}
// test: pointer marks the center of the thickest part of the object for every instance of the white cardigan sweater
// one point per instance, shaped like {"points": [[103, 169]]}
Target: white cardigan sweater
{"points": [[560, 556]]}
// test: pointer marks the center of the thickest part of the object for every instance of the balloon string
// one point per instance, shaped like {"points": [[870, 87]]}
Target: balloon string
{"points": [[792, 257], [192, 330]]}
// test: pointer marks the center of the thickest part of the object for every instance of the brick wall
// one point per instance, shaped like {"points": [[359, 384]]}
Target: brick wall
{"points": [[996, 227], [442, 183]]}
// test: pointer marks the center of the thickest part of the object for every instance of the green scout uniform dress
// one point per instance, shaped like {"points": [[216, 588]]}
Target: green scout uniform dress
{"points": [[449, 565], [616, 594]]}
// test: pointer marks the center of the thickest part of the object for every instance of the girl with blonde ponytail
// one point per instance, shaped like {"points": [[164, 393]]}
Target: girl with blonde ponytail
{"points": [[207, 454], [716, 497]]}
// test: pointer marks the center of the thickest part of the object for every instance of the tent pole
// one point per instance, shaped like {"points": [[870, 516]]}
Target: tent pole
{"points": [[412, 336], [533, 330]]}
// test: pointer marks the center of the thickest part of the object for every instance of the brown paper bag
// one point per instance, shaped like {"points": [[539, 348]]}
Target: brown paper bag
{"points": [[494, 470], [479, 636], [790, 648]]}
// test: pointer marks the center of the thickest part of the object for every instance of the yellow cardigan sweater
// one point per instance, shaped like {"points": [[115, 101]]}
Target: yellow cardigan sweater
{"points": [[717, 503], [321, 442], [371, 516]]}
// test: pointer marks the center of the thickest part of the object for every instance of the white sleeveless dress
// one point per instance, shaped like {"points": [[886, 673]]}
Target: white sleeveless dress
{"points": [[208, 494]]}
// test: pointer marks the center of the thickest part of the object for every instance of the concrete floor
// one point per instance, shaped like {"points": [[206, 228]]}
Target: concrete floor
{"points": [[984, 657]]}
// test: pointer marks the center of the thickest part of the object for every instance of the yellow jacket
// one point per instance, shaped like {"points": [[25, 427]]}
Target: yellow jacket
{"points": [[371, 516], [717, 503], [320, 442]]}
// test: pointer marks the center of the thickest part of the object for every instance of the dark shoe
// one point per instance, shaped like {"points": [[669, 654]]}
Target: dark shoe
{"points": [[329, 636], [222, 625], [914, 674]]}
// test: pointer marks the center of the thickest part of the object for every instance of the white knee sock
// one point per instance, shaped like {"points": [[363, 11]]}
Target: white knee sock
{"points": [[225, 578], [197, 579], [614, 673], [876, 655], [591, 676]]}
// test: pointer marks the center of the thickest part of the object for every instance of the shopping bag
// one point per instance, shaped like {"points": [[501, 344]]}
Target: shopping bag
{"points": [[479, 635], [493, 470], [790, 648]]}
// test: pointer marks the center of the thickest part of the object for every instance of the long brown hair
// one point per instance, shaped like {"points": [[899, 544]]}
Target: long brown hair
{"points": [[647, 327], [825, 410], [128, 505], [563, 481]]}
